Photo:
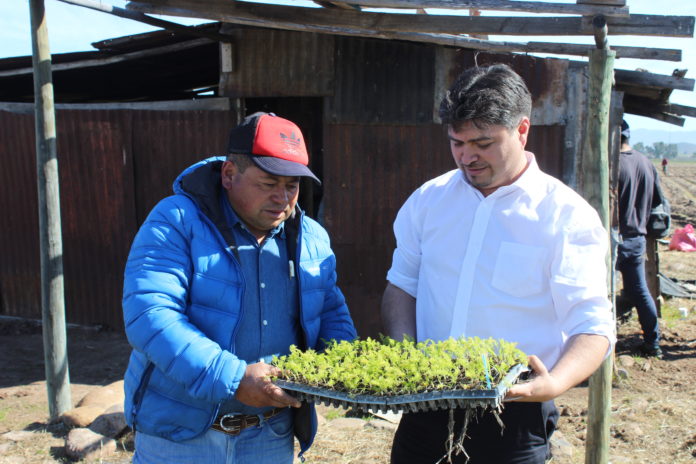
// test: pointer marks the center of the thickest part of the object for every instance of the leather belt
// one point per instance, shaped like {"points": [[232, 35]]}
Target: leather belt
{"points": [[233, 424]]}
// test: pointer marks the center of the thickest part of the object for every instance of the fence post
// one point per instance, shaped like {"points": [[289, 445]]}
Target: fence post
{"points": [[50, 235]]}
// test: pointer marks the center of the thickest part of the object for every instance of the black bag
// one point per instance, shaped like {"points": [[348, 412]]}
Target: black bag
{"points": [[660, 219]]}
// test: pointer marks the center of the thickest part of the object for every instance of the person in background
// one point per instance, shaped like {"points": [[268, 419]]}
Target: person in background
{"points": [[637, 182], [222, 276], [496, 248], [664, 165]]}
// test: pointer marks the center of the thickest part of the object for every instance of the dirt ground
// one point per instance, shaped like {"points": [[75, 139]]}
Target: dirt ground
{"points": [[653, 401]]}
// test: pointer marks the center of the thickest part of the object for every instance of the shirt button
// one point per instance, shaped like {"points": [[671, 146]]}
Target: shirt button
{"points": [[263, 285], [265, 322]]}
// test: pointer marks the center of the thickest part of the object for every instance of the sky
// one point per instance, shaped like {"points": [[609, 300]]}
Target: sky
{"points": [[73, 28]]}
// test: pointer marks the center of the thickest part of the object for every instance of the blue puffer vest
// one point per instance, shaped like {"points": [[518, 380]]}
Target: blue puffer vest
{"points": [[182, 300]]}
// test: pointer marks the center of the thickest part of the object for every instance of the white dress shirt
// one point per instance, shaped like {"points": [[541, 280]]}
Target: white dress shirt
{"points": [[526, 264]]}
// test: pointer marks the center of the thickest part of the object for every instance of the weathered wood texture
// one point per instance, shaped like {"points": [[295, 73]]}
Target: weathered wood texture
{"points": [[497, 5], [229, 16], [595, 189], [50, 235], [284, 16]]}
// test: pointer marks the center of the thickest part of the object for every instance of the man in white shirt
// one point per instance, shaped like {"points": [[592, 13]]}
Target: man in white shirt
{"points": [[497, 248]]}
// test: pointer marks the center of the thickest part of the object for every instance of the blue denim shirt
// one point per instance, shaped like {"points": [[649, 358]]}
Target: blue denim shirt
{"points": [[269, 321]]}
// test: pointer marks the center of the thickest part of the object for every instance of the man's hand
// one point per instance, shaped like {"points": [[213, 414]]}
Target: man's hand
{"points": [[542, 386], [256, 388], [582, 355]]}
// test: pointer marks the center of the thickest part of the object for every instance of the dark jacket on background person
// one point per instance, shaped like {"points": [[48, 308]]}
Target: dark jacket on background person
{"points": [[180, 373], [638, 181]]}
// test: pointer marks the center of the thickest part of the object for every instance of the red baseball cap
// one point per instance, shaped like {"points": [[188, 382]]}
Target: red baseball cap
{"points": [[275, 145]]}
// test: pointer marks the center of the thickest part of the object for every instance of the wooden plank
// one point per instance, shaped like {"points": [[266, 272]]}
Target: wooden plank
{"points": [[281, 16], [441, 39], [114, 59], [648, 79], [681, 110], [602, 2], [648, 25], [498, 5]]}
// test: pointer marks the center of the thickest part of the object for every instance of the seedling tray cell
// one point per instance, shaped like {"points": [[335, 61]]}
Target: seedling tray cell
{"points": [[426, 401]]}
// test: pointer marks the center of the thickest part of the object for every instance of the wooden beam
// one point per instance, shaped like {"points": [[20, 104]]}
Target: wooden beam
{"points": [[498, 5], [650, 25], [681, 110], [595, 190], [340, 5], [281, 16], [440, 39], [50, 236], [647, 79], [114, 58], [276, 16], [136, 16], [602, 2]]}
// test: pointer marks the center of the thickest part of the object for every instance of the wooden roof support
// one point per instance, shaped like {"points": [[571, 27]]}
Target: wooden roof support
{"points": [[340, 5], [266, 15], [234, 15], [140, 17], [498, 5], [657, 81]]}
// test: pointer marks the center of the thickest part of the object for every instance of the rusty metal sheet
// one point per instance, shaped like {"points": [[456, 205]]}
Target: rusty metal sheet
{"points": [[114, 165], [20, 289], [276, 63], [369, 171], [382, 81]]}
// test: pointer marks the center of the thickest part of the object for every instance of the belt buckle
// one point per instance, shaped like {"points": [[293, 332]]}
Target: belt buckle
{"points": [[238, 423]]}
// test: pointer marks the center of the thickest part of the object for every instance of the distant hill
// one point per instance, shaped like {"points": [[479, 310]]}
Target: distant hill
{"points": [[649, 137], [686, 148]]}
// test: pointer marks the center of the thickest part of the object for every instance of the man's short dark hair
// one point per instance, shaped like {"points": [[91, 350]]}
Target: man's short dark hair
{"points": [[241, 161], [490, 95]]}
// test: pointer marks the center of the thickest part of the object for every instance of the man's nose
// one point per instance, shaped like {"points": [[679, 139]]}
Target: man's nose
{"points": [[467, 155], [280, 195]]}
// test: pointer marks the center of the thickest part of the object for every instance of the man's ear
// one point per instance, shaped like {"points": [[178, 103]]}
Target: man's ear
{"points": [[523, 130], [227, 173]]}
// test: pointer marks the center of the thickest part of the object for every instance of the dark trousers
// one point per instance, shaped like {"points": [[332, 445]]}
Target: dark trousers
{"points": [[422, 437], [630, 262]]}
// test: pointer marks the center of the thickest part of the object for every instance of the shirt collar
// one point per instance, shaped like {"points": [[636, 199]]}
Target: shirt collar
{"points": [[234, 221]]}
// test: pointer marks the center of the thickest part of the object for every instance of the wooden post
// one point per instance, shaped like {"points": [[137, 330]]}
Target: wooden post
{"points": [[596, 191], [52, 296]]}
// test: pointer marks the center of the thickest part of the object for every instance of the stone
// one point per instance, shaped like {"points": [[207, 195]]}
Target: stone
{"points": [[622, 373], [104, 396], [18, 435], [380, 424], [561, 449], [82, 443], [81, 416], [347, 423], [111, 423], [625, 360]]}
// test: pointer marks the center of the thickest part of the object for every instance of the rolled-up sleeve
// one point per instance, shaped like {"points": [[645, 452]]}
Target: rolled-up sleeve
{"points": [[407, 254], [579, 280]]}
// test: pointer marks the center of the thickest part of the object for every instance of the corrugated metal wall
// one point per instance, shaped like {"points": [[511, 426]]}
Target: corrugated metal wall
{"points": [[275, 63], [20, 291], [379, 144], [114, 166]]}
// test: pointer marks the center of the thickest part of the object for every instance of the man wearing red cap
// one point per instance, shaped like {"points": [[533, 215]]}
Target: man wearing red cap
{"points": [[221, 277]]}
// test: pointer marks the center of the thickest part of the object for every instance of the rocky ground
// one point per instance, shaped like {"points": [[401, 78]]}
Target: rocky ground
{"points": [[652, 413]]}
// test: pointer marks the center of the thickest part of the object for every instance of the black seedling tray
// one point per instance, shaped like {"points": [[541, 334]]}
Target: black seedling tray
{"points": [[427, 401]]}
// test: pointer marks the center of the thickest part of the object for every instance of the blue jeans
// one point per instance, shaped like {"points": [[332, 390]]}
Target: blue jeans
{"points": [[631, 262], [269, 443]]}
